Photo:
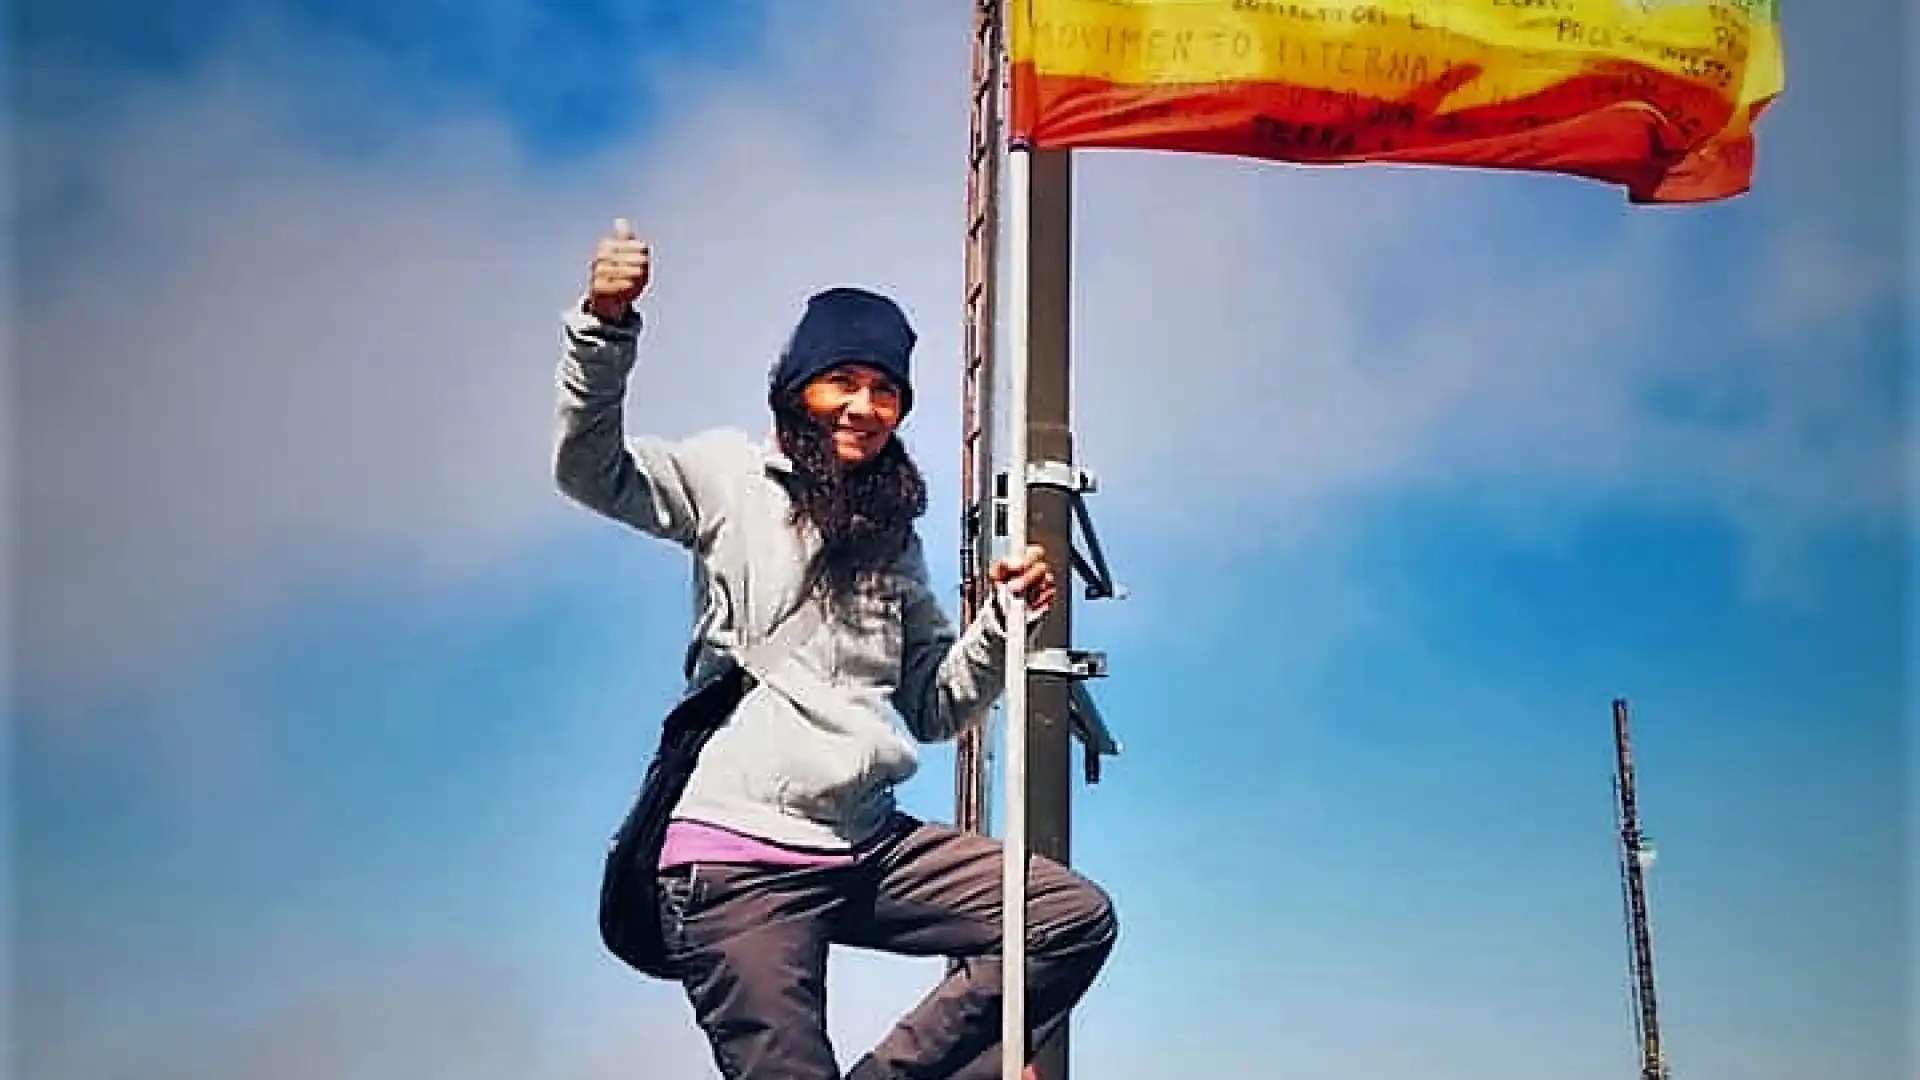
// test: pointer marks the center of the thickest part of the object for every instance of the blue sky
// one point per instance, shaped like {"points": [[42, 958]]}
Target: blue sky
{"points": [[325, 702]]}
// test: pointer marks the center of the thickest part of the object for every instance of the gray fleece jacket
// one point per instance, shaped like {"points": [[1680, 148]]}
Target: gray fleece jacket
{"points": [[813, 760]]}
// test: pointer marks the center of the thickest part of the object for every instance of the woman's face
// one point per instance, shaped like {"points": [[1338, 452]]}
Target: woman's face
{"points": [[859, 407]]}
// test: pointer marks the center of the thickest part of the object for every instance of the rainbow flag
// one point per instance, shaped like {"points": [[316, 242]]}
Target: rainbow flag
{"points": [[1657, 96]]}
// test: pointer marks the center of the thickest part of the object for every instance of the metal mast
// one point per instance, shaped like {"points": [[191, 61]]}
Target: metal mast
{"points": [[1635, 855], [976, 346], [1040, 495]]}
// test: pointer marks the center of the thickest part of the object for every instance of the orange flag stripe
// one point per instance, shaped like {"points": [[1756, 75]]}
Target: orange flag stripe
{"points": [[1657, 97]]}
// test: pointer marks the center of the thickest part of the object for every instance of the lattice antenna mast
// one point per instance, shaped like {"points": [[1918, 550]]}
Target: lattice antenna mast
{"points": [[977, 349], [1636, 854]]}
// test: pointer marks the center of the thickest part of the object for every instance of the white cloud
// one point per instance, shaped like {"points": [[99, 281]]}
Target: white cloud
{"points": [[258, 361], [308, 1009]]}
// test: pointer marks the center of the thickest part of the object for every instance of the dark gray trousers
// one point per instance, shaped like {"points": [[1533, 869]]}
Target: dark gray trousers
{"points": [[750, 943]]}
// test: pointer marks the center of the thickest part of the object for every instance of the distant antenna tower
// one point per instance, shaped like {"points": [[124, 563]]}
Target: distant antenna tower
{"points": [[1636, 854]]}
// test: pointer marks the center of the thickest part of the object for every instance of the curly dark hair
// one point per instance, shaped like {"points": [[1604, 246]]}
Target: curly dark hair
{"points": [[865, 514]]}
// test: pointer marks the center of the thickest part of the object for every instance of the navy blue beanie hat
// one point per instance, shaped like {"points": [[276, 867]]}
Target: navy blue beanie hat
{"points": [[848, 325]]}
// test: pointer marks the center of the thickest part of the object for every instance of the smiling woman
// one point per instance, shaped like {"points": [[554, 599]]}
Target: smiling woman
{"points": [[767, 830], [838, 394]]}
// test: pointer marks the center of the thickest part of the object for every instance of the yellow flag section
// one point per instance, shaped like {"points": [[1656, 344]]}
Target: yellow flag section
{"points": [[1657, 96]]}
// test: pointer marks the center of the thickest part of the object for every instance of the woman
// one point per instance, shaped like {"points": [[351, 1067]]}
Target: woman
{"points": [[787, 838]]}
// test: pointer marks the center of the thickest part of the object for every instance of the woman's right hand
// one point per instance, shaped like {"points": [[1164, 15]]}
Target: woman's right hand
{"points": [[622, 267]]}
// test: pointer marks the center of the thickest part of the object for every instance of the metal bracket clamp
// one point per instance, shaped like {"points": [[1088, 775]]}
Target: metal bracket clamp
{"points": [[1084, 720], [1076, 483], [1062, 477], [1067, 663]]}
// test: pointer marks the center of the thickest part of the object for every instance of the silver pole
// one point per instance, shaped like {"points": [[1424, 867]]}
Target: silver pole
{"points": [[1013, 1017]]}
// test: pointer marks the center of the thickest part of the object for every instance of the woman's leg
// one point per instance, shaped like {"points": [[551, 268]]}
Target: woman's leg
{"points": [[750, 943], [936, 892]]}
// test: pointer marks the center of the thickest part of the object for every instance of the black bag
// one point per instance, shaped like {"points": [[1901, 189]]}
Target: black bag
{"points": [[629, 906]]}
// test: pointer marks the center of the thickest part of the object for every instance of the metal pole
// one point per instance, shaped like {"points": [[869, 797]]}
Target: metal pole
{"points": [[1013, 983], [1037, 793], [1049, 735]]}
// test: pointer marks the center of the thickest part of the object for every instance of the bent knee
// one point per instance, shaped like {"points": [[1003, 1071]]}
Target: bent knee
{"points": [[1086, 919], [1101, 919]]}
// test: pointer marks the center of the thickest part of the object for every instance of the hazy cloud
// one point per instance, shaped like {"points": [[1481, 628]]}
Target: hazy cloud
{"points": [[261, 355], [304, 1012]]}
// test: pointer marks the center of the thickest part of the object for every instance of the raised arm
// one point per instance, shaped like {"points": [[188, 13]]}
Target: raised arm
{"points": [[662, 488]]}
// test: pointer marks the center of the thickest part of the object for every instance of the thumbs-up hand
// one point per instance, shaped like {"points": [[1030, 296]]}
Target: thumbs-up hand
{"points": [[622, 266]]}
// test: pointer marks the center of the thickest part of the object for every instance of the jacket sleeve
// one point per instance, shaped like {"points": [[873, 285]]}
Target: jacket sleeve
{"points": [[663, 488], [948, 679]]}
